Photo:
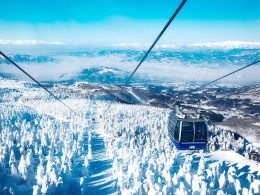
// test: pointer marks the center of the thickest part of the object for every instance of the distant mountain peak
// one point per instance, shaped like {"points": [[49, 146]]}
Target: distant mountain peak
{"points": [[218, 45]]}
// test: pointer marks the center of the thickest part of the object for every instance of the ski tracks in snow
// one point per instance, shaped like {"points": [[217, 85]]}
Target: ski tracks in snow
{"points": [[99, 179]]}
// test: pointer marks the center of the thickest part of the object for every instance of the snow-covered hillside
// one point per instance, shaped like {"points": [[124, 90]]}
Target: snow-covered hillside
{"points": [[45, 149]]}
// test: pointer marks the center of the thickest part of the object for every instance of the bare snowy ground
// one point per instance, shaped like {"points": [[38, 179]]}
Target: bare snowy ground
{"points": [[45, 149]]}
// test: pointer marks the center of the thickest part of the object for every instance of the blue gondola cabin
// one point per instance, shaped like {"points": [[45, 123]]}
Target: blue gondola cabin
{"points": [[188, 132]]}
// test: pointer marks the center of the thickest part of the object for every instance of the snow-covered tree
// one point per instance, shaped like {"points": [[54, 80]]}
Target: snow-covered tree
{"points": [[53, 177], [195, 184], [13, 163], [45, 185], [222, 181], [39, 174], [201, 167], [22, 168], [36, 190], [255, 186]]}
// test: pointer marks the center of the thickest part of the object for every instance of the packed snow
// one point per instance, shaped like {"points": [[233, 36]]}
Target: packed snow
{"points": [[45, 149]]}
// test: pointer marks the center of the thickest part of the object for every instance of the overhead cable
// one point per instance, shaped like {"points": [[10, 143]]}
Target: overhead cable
{"points": [[152, 46], [226, 75]]}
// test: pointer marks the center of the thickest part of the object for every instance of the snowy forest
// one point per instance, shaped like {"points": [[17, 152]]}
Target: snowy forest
{"points": [[46, 149]]}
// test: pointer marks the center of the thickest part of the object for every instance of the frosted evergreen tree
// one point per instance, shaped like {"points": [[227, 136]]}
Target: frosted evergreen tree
{"points": [[195, 184], [44, 140], [145, 186], [203, 190], [188, 178], [71, 162], [238, 187], [220, 192], [74, 146], [120, 178], [22, 168], [201, 167], [255, 186], [64, 165], [157, 187], [175, 179], [53, 177], [36, 147], [79, 148], [181, 189], [165, 189], [36, 190], [29, 161], [60, 182], [39, 174], [13, 169], [12, 163], [222, 181], [250, 178], [209, 175], [45, 185], [49, 167], [12, 158]]}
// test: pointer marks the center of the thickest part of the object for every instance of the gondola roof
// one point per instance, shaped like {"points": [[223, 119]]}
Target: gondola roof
{"points": [[188, 115]]}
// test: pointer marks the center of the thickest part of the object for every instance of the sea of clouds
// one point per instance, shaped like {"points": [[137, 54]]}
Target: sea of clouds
{"points": [[196, 62]]}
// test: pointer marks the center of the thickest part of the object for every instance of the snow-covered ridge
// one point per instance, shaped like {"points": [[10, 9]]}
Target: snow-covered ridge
{"points": [[227, 44], [109, 70], [29, 42], [199, 45]]}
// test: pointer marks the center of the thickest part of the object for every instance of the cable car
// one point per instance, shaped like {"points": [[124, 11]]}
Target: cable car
{"points": [[188, 129]]}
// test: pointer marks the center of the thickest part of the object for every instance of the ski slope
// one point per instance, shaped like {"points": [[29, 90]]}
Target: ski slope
{"points": [[45, 149]]}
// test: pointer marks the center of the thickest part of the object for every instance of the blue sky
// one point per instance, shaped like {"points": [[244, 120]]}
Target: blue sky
{"points": [[129, 21]]}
